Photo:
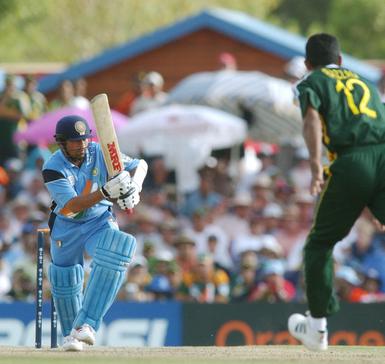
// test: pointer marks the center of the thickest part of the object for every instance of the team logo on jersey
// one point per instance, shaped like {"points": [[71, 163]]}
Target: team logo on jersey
{"points": [[80, 127], [71, 179], [95, 172], [113, 222]]}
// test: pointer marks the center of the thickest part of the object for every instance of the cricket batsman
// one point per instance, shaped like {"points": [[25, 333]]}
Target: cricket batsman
{"points": [[81, 221]]}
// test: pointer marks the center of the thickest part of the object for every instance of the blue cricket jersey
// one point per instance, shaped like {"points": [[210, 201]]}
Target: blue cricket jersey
{"points": [[64, 181]]}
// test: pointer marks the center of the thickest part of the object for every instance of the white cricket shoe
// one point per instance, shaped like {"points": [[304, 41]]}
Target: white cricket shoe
{"points": [[85, 334], [72, 344], [299, 327]]}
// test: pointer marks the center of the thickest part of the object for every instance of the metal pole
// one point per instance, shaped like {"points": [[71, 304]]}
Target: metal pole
{"points": [[53, 325], [39, 288]]}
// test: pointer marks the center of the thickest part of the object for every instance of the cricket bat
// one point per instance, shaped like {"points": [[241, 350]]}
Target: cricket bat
{"points": [[107, 135]]}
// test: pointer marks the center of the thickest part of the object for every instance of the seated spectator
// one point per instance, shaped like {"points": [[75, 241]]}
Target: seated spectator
{"points": [[283, 192], [161, 202], [262, 192], [147, 230], [168, 232], [209, 238], [270, 249], [273, 286], [161, 263], [65, 97], [346, 282], [291, 230], [174, 275], [23, 253], [33, 163], [244, 282], [14, 168], [300, 174], [21, 209], [235, 221], [220, 168], [305, 203], [204, 283], [38, 102], [369, 291], [264, 173], [138, 278], [271, 216], [364, 254], [372, 285], [151, 93], [126, 100], [158, 175], [186, 254], [14, 108], [80, 94], [23, 288], [203, 198], [227, 62], [258, 240], [160, 288], [35, 191], [149, 252]]}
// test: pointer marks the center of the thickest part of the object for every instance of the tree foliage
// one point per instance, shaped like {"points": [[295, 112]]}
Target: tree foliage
{"points": [[71, 30], [360, 25], [302, 14]]}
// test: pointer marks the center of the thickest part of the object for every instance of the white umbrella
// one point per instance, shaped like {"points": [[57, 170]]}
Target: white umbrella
{"points": [[184, 135], [268, 99]]}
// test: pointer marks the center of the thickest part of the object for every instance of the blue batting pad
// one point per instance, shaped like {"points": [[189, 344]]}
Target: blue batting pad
{"points": [[67, 287], [114, 252]]}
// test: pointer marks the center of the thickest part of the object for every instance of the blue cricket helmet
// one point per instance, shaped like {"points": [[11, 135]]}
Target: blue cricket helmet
{"points": [[72, 127]]}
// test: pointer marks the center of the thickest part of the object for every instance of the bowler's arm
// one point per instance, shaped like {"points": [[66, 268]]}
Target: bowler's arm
{"points": [[312, 133]]}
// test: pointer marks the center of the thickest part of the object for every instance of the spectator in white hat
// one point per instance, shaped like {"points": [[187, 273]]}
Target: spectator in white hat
{"points": [[151, 93], [295, 69]]}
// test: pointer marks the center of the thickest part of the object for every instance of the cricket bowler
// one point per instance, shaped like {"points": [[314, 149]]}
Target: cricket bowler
{"points": [[343, 111]]}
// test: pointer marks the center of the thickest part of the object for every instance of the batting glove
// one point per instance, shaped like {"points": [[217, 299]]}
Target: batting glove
{"points": [[117, 186], [130, 201]]}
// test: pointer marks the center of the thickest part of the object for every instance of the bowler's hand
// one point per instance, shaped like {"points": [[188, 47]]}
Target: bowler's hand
{"points": [[317, 179], [378, 225]]}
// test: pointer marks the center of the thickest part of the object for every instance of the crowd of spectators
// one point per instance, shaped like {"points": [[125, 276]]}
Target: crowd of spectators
{"points": [[237, 238], [240, 242]]}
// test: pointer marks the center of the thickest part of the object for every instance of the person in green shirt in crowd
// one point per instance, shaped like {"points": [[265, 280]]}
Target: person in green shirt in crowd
{"points": [[38, 102], [14, 106]]}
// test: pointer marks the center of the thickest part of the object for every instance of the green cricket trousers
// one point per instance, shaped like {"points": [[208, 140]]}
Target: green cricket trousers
{"points": [[357, 181]]}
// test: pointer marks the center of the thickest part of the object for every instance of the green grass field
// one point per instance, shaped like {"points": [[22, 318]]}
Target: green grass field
{"points": [[195, 355]]}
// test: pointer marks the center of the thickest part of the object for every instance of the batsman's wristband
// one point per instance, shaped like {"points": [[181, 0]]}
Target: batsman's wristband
{"points": [[104, 192]]}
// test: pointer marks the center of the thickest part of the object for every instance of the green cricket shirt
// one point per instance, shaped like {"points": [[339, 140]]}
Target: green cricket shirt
{"points": [[351, 110]]}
